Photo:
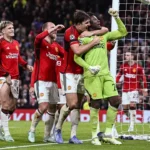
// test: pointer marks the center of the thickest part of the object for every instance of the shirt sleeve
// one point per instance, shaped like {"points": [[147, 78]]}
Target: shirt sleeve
{"points": [[71, 38], [3, 72], [21, 61], [81, 62], [121, 32], [39, 38], [142, 76], [119, 74]]}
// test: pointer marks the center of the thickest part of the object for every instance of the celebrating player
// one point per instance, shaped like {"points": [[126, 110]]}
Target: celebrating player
{"points": [[97, 78], [72, 73], [133, 74], [46, 53], [9, 75]]}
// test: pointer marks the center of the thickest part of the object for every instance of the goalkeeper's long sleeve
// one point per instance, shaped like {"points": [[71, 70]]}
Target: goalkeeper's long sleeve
{"points": [[121, 32], [81, 62]]}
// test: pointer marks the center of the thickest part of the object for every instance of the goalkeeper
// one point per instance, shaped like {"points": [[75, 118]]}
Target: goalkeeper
{"points": [[97, 78]]}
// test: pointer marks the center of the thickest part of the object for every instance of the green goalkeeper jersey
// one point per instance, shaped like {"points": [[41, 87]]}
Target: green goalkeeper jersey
{"points": [[98, 54]]}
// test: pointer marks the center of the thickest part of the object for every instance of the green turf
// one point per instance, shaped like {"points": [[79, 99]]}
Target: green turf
{"points": [[20, 129]]}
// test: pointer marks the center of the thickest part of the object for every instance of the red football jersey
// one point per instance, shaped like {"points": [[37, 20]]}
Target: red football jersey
{"points": [[132, 76], [59, 68], [46, 55], [70, 38], [10, 58]]}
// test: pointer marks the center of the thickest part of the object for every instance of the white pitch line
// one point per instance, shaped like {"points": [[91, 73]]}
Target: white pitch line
{"points": [[35, 145]]}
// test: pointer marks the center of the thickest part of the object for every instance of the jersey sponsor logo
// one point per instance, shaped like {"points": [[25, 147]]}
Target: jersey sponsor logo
{"points": [[134, 70], [72, 37], [128, 75], [12, 56], [51, 56], [69, 87]]}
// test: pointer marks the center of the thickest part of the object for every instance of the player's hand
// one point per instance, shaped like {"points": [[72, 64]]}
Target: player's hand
{"points": [[94, 69], [96, 40], [113, 12], [59, 27], [86, 34], [145, 92], [32, 95], [29, 68]]}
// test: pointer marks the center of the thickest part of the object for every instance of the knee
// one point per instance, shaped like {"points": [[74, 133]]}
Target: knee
{"points": [[132, 106], [43, 107], [115, 101]]}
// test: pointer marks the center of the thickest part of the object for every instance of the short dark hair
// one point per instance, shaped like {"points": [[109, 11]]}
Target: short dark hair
{"points": [[80, 16], [90, 14]]}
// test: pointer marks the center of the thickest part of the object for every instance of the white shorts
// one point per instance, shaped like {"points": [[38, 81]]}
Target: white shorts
{"points": [[62, 97], [46, 92], [72, 83], [128, 97], [14, 87]]}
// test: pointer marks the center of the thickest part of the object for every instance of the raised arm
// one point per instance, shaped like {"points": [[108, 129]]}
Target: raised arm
{"points": [[121, 32], [102, 31]]}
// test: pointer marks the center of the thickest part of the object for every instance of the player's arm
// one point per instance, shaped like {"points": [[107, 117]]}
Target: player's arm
{"points": [[144, 81], [102, 31], [41, 36], [78, 59], [4, 72], [93, 69], [81, 62], [119, 74], [76, 47], [121, 32]]}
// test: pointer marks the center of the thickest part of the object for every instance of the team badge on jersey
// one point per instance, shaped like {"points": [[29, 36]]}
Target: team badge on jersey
{"points": [[94, 94], [41, 94], [101, 38], [134, 70], [17, 48], [69, 87], [72, 37], [1, 81]]}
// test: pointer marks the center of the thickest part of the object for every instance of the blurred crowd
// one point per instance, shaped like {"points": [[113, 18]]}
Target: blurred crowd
{"points": [[29, 15]]}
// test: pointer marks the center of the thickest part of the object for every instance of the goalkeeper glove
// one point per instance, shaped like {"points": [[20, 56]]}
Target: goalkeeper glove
{"points": [[113, 12], [94, 69]]}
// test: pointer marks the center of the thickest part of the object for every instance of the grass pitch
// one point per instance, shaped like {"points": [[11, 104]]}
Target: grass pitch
{"points": [[19, 131]]}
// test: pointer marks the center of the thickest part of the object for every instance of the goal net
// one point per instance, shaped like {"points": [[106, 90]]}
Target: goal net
{"points": [[136, 17]]}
